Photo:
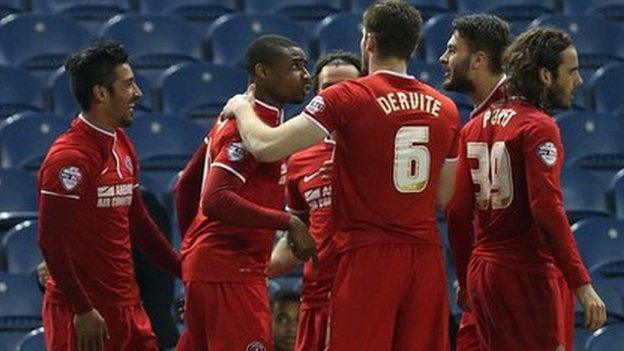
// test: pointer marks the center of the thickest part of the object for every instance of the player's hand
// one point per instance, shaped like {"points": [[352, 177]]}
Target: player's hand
{"points": [[594, 308], [91, 331], [238, 102], [300, 241], [42, 274]]}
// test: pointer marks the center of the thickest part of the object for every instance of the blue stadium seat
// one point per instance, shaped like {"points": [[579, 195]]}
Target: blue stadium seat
{"points": [[39, 43], [607, 85], [20, 302], [303, 11], [155, 42], [510, 10], [431, 74], [583, 195], [607, 338], [18, 197], [435, 34], [26, 137], [199, 89], [593, 38], [8, 7], [617, 187], [192, 10], [611, 9], [19, 91], [593, 141], [341, 31], [230, 34], [65, 103], [164, 142], [33, 341], [90, 13], [10, 339], [427, 8], [20, 248], [581, 334], [599, 239]]}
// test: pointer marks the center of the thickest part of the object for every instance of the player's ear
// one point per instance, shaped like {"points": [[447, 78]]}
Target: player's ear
{"points": [[545, 76], [100, 93], [478, 59], [370, 44], [261, 71]]}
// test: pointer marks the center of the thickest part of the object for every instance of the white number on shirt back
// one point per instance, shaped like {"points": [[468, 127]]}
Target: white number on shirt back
{"points": [[492, 175], [412, 160]]}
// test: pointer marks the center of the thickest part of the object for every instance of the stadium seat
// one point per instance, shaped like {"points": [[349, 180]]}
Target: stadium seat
{"points": [[230, 34], [435, 34], [33, 341], [164, 142], [19, 91], [26, 137], [20, 302], [617, 187], [20, 248], [583, 195], [427, 8], [510, 10], [593, 38], [606, 85], [155, 42], [462, 101], [341, 31], [90, 13], [39, 43], [607, 338], [65, 104], [10, 339], [581, 334], [599, 239], [611, 9], [303, 11], [18, 197], [199, 89], [8, 7], [191, 10], [431, 74]]}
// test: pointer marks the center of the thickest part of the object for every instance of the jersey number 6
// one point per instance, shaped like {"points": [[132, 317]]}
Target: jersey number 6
{"points": [[412, 159]]}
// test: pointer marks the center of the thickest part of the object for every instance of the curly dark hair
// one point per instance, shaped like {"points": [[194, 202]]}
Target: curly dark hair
{"points": [[487, 33], [396, 25], [337, 58], [536, 48], [93, 66]]}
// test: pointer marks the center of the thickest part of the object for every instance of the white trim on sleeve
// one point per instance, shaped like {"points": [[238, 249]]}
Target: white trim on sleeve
{"points": [[47, 192], [228, 168]]}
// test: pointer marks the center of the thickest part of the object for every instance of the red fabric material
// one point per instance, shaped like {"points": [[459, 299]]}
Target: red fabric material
{"points": [[312, 330], [186, 190]]}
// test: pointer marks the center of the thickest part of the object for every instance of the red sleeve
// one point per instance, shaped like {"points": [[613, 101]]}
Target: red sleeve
{"points": [[543, 156], [295, 202], [323, 110], [63, 184], [453, 130], [187, 188], [221, 201], [148, 238], [459, 216]]}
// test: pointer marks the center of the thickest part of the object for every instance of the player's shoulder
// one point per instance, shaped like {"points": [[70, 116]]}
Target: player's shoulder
{"points": [[66, 152], [222, 132]]}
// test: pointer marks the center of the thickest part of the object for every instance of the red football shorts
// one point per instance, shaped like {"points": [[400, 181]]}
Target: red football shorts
{"points": [[312, 329], [129, 328], [467, 338], [390, 297], [228, 316], [519, 311]]}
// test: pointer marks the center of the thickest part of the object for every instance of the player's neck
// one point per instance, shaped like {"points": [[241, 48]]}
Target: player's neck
{"points": [[263, 96], [387, 64], [484, 87], [99, 119]]}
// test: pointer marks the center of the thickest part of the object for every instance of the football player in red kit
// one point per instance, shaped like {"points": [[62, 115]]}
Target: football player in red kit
{"points": [[91, 213], [508, 172], [309, 192], [472, 61], [227, 246], [394, 164]]}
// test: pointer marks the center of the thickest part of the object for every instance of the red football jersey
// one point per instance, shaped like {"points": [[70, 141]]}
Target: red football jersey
{"points": [[309, 192], [213, 250], [100, 170], [510, 161], [393, 134]]}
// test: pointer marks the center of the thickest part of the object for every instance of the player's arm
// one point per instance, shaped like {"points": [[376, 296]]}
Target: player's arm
{"points": [[459, 216], [269, 144], [186, 191], [543, 154], [446, 184], [149, 239], [282, 259]]}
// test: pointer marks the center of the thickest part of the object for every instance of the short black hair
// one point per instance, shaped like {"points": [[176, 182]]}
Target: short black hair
{"points": [[396, 25], [285, 294], [264, 49], [337, 58], [487, 33], [93, 66]]}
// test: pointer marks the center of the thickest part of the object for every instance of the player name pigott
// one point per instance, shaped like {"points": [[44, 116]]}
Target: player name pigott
{"points": [[400, 101], [499, 116]]}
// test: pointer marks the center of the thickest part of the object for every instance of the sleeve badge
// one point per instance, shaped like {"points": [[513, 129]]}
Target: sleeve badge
{"points": [[70, 177], [547, 152]]}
